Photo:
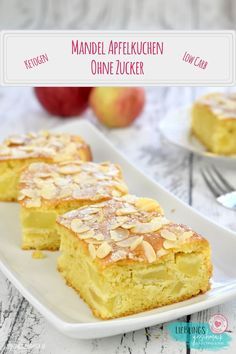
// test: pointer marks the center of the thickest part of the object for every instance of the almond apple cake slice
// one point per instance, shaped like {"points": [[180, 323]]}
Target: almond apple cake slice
{"points": [[123, 256], [19, 151], [214, 122], [47, 190]]}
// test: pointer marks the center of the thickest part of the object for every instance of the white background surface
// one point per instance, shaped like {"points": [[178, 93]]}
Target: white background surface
{"points": [[22, 329]]}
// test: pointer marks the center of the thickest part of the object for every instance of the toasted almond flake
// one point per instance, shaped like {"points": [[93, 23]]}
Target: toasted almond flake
{"points": [[168, 235], [77, 193], [48, 192], [146, 204], [65, 192], [128, 225], [143, 228], [169, 244], [60, 182], [5, 151], [119, 254], [114, 225], [92, 250], [89, 217], [91, 210], [119, 234], [103, 250], [129, 198], [69, 169], [31, 193], [21, 196], [161, 252], [34, 203], [122, 188], [115, 193], [78, 227], [93, 241], [122, 219], [126, 210], [152, 226], [127, 242], [17, 139], [99, 237], [149, 252], [136, 243], [98, 205], [186, 235], [86, 234]]}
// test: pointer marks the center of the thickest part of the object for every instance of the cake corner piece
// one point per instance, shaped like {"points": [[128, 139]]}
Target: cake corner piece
{"points": [[17, 152], [214, 122], [123, 257], [48, 190]]}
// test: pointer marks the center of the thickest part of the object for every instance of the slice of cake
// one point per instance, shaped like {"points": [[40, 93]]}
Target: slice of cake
{"points": [[123, 256], [214, 122], [47, 190], [18, 151]]}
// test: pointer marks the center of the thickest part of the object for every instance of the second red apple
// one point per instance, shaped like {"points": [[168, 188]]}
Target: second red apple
{"points": [[117, 106]]}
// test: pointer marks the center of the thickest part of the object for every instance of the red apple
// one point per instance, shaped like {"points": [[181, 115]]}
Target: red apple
{"points": [[63, 101], [117, 106]]}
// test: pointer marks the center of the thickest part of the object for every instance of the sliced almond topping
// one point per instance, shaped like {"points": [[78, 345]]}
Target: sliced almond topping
{"points": [[93, 241], [48, 192], [186, 235], [103, 250], [92, 250], [69, 169], [4, 151], [119, 234], [65, 192], [127, 242], [128, 225], [152, 226], [149, 252], [98, 205], [136, 243], [34, 203], [161, 252], [146, 204], [17, 139], [169, 244], [31, 193], [99, 237], [168, 235], [86, 234], [121, 188], [77, 193], [60, 182], [126, 210], [115, 193], [129, 198], [122, 219], [78, 227]]}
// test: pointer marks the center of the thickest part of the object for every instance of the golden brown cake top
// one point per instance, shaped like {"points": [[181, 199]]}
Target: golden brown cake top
{"points": [[221, 104], [51, 184], [126, 228], [49, 146]]}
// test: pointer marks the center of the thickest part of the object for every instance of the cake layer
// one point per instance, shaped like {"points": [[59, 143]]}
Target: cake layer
{"points": [[48, 190], [19, 151], [214, 122], [123, 256], [41, 239]]}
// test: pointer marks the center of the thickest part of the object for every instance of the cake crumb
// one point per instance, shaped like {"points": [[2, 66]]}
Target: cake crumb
{"points": [[38, 255]]}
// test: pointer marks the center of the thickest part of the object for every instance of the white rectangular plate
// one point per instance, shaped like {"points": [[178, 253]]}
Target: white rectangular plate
{"points": [[41, 284]]}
